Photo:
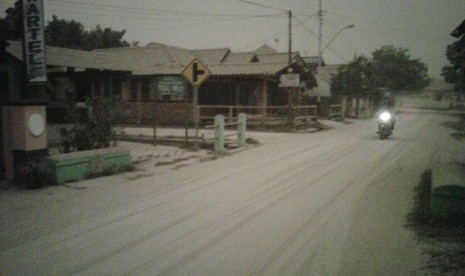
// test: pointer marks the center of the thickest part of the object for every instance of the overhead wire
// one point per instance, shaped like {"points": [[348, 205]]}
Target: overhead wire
{"points": [[173, 18], [260, 5], [107, 10], [151, 11], [274, 35], [315, 35]]}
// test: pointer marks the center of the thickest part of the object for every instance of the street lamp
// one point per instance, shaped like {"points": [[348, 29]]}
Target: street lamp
{"points": [[332, 39]]}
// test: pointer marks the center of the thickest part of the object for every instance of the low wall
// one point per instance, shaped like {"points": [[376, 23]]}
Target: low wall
{"points": [[84, 164], [448, 189]]}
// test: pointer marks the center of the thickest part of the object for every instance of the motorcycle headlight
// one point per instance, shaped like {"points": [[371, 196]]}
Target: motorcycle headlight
{"points": [[385, 116]]}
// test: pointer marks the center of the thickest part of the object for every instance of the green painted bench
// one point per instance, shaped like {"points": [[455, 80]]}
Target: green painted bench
{"points": [[448, 189], [81, 165]]}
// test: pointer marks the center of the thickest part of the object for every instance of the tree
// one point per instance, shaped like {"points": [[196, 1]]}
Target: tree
{"points": [[450, 74], [455, 52], [104, 38], [62, 33], [389, 68], [353, 79], [71, 34], [66, 34], [395, 70], [11, 27]]}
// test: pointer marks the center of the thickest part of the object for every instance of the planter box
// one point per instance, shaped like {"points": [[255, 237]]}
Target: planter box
{"points": [[448, 189], [80, 165]]}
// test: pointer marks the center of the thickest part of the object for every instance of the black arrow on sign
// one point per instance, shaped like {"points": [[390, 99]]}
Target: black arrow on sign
{"points": [[196, 72]]}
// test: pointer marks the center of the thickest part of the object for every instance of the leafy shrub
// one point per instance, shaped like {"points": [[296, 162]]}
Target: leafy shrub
{"points": [[93, 125], [34, 174]]}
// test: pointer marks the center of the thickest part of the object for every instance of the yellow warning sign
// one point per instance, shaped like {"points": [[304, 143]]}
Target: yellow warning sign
{"points": [[196, 73]]}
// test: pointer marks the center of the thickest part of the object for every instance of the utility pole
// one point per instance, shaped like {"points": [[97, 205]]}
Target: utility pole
{"points": [[290, 38], [320, 34], [290, 112]]}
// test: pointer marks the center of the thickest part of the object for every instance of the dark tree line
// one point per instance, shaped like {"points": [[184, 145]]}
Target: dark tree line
{"points": [[389, 68], [62, 33], [455, 52]]}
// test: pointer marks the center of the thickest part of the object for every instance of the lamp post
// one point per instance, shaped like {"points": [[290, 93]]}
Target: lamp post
{"points": [[332, 39]]}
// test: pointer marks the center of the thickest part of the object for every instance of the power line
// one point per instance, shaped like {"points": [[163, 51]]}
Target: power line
{"points": [[163, 17], [316, 36], [150, 11], [260, 5], [277, 34]]}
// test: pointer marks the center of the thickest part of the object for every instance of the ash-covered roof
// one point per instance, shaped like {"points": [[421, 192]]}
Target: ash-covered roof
{"points": [[162, 59], [78, 59]]}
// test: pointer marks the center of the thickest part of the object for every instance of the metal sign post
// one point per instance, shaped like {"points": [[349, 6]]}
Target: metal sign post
{"points": [[196, 115], [196, 73], [290, 82]]}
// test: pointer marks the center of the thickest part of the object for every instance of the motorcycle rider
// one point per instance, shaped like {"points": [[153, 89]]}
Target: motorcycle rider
{"points": [[385, 115], [388, 106]]}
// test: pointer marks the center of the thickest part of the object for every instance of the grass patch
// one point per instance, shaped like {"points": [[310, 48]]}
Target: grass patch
{"points": [[444, 238]]}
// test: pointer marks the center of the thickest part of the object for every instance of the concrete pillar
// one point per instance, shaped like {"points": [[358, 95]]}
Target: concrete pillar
{"points": [[241, 128], [219, 133], [24, 134]]}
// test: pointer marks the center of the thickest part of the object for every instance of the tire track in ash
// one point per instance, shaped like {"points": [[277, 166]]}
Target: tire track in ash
{"points": [[135, 244], [384, 164], [139, 210], [246, 206], [290, 252]]}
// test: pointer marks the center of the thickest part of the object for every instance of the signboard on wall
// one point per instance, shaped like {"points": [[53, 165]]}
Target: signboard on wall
{"points": [[289, 80], [171, 88], [34, 41]]}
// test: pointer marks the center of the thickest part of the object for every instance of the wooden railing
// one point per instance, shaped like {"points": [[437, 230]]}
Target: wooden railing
{"points": [[257, 113], [336, 111]]}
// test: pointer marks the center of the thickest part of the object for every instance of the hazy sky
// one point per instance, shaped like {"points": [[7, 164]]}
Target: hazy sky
{"points": [[422, 26]]}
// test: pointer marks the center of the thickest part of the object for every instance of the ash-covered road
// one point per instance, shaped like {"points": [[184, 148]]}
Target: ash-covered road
{"points": [[290, 206]]}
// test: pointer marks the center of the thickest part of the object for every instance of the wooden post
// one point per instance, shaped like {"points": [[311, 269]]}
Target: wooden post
{"points": [[231, 115], [343, 108], [265, 99], [186, 115], [139, 96], [290, 115], [154, 123], [196, 112]]}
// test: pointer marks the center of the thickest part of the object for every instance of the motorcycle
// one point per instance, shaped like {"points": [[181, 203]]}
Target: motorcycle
{"points": [[385, 125]]}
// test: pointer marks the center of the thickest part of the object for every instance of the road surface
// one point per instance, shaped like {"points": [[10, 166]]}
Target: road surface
{"points": [[323, 203]]}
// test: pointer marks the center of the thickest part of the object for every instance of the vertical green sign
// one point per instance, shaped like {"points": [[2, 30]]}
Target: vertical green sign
{"points": [[34, 41]]}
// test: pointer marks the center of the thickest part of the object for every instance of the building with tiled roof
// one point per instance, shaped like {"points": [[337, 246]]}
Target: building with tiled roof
{"points": [[144, 75]]}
